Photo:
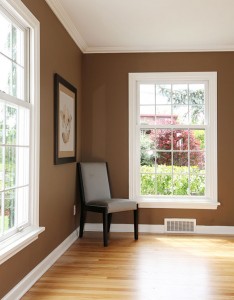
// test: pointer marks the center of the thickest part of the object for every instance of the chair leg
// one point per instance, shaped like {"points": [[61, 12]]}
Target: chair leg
{"points": [[105, 229], [109, 221], [136, 224], [82, 222]]}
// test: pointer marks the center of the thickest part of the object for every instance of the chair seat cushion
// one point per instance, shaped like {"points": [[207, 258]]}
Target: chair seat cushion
{"points": [[114, 205]]}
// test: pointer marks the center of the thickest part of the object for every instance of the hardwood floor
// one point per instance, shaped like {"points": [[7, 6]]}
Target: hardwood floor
{"points": [[156, 267]]}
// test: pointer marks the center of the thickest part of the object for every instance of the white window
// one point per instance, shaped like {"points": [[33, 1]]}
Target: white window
{"points": [[19, 128], [173, 139]]}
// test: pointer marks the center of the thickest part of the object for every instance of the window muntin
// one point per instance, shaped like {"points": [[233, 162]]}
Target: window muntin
{"points": [[169, 141]]}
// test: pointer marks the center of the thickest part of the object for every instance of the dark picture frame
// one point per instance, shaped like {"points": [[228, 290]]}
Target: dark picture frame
{"points": [[65, 107]]}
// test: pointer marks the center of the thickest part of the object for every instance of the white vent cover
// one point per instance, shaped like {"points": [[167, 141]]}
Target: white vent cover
{"points": [[180, 225]]}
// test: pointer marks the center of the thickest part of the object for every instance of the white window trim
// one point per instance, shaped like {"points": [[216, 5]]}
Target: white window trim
{"points": [[190, 202], [23, 238]]}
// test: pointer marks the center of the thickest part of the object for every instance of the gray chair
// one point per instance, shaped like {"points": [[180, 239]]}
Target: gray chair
{"points": [[96, 197]]}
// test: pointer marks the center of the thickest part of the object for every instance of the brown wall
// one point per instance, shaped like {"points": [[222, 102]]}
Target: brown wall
{"points": [[105, 123], [59, 54]]}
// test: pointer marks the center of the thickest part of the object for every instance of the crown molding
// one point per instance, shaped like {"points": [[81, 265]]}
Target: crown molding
{"points": [[64, 18]]}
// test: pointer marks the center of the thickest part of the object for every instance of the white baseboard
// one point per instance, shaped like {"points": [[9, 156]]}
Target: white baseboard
{"points": [[213, 230], [28, 281]]}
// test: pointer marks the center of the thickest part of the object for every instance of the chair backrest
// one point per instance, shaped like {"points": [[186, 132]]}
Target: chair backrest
{"points": [[94, 181]]}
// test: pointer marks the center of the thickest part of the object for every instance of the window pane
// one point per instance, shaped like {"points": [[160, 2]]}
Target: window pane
{"points": [[197, 139], [5, 75], [180, 162], [6, 36], [197, 185], [22, 174], [11, 119], [147, 115], [148, 186], [180, 114], [163, 114], [147, 147], [23, 126], [164, 184], [18, 45], [22, 204], [1, 216], [196, 94], [180, 139], [163, 158], [163, 94], [10, 167], [163, 139], [180, 93], [2, 122], [147, 94], [1, 169], [197, 114], [181, 184], [197, 162], [9, 209]]}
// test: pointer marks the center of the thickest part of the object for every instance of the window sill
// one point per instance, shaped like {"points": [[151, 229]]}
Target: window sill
{"points": [[20, 240], [177, 203]]}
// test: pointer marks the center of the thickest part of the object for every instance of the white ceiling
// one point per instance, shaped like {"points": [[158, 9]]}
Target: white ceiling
{"points": [[100, 26]]}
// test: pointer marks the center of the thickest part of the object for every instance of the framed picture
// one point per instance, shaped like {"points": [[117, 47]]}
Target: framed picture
{"points": [[65, 98]]}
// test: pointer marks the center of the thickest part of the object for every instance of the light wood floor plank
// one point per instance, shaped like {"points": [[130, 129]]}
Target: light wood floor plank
{"points": [[156, 267]]}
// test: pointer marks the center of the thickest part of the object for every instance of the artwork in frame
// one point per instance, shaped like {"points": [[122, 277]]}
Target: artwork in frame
{"points": [[65, 102]]}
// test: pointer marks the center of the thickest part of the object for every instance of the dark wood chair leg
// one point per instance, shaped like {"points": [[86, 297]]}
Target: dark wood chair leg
{"points": [[136, 224], [105, 229], [109, 221], [82, 222]]}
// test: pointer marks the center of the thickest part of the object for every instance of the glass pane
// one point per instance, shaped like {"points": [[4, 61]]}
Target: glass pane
{"points": [[148, 184], [180, 184], [22, 175], [17, 81], [147, 94], [2, 122], [23, 126], [163, 94], [5, 75], [180, 114], [197, 185], [163, 139], [197, 162], [1, 216], [196, 94], [1, 169], [197, 114], [147, 115], [180, 139], [180, 93], [10, 167], [22, 207], [164, 184], [163, 158], [197, 139], [18, 45], [163, 114], [147, 140], [11, 120], [6, 36], [180, 162], [9, 212]]}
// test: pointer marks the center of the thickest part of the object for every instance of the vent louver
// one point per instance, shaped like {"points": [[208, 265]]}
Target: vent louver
{"points": [[180, 225]]}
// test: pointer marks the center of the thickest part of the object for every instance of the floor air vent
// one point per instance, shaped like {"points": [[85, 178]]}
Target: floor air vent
{"points": [[180, 225]]}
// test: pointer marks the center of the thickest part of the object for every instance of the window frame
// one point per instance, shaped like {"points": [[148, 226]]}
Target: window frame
{"points": [[24, 236], [210, 201]]}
